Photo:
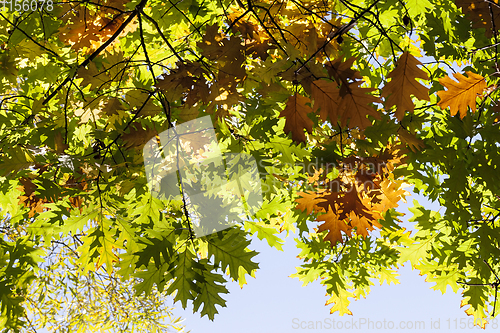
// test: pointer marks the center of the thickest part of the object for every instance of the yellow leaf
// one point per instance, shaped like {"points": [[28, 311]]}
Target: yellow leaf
{"points": [[462, 93], [340, 302]]}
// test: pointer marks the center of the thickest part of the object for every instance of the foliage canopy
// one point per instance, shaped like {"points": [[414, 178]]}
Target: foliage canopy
{"points": [[341, 103]]}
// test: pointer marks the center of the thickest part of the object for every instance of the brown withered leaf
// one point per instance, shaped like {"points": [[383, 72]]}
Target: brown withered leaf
{"points": [[355, 106], [227, 52], [232, 58], [259, 49], [137, 136], [404, 84], [188, 113], [93, 76], [245, 24], [296, 119], [461, 94], [59, 144], [305, 75], [326, 96], [223, 95], [212, 42], [186, 81], [479, 12], [351, 105], [411, 140], [342, 72], [303, 36], [112, 106]]}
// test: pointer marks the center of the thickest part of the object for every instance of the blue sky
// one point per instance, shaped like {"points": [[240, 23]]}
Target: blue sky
{"points": [[275, 303]]}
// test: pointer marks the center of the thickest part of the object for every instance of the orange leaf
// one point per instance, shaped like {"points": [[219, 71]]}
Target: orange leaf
{"points": [[351, 202], [404, 84], [462, 93], [362, 224], [29, 198], [309, 201], [295, 113], [391, 194], [334, 226]]}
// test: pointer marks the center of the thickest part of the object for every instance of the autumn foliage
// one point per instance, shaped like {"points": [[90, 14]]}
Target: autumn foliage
{"points": [[347, 107]]}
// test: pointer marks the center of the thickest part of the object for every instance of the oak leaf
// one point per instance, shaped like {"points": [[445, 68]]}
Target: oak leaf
{"points": [[81, 27], [87, 114], [480, 12], [247, 25], [362, 224], [366, 189], [411, 140], [355, 106], [227, 52], [137, 136], [351, 103], [29, 198], [309, 201], [187, 80], [392, 192], [93, 76], [223, 95], [340, 302], [135, 100], [326, 96], [462, 93], [295, 114], [334, 225], [349, 202], [404, 84], [187, 113], [342, 72]]}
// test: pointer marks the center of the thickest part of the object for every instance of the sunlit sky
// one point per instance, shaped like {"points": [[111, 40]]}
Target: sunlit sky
{"points": [[274, 302]]}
